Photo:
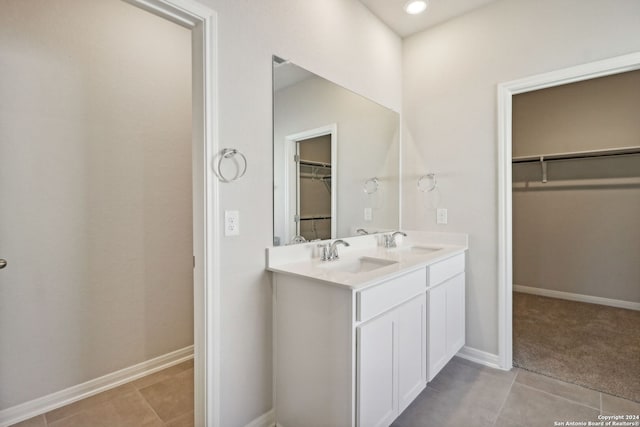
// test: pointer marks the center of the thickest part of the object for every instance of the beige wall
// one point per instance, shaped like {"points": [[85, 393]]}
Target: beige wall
{"points": [[359, 53], [579, 232], [590, 115], [95, 190], [449, 105]]}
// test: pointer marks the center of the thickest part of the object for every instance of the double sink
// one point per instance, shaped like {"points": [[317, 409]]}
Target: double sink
{"points": [[366, 261]]}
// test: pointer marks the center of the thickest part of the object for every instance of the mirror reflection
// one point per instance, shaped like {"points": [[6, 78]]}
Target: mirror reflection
{"points": [[336, 159]]}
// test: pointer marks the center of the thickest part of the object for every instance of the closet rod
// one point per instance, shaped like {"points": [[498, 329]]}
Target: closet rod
{"points": [[578, 155], [315, 176], [314, 163]]}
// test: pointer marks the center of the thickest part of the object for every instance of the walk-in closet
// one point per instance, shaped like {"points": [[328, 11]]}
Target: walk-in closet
{"points": [[576, 233]]}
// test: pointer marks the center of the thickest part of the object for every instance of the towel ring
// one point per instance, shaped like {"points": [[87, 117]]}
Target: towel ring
{"points": [[230, 153], [422, 182], [371, 185]]}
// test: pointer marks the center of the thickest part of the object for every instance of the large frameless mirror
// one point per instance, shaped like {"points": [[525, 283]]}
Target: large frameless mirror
{"points": [[335, 159]]}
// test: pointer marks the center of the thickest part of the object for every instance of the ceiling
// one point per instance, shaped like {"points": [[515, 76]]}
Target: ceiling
{"points": [[392, 13]]}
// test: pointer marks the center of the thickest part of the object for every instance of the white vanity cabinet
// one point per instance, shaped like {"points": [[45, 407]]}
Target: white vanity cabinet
{"points": [[346, 357], [377, 372], [445, 312], [391, 363]]}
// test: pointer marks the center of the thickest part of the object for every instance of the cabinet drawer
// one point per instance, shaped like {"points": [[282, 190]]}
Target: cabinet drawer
{"points": [[446, 269], [380, 298]]}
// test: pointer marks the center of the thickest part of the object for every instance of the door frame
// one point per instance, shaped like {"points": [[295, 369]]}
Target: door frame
{"points": [[506, 90], [290, 172], [202, 21]]}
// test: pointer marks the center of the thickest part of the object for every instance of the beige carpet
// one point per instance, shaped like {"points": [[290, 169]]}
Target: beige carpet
{"points": [[591, 345]]}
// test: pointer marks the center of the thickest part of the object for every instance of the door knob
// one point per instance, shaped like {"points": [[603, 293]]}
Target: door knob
{"points": [[3, 263]]}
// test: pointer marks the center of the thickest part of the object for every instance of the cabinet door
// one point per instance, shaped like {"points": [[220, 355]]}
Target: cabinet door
{"points": [[455, 315], [411, 340], [436, 330], [376, 372]]}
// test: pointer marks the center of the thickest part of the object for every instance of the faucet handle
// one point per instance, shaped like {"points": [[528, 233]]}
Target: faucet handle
{"points": [[324, 251]]}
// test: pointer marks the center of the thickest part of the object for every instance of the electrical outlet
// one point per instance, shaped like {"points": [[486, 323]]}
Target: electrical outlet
{"points": [[441, 216], [231, 223], [368, 215]]}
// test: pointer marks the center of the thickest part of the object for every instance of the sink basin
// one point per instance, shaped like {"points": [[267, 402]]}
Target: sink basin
{"points": [[422, 250], [359, 265]]}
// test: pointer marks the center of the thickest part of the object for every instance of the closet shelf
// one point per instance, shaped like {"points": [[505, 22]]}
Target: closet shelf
{"points": [[314, 218], [578, 155]]}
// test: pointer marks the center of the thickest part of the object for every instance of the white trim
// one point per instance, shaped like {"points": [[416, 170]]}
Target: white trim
{"points": [[629, 305], [290, 170], [202, 21], [505, 273], [400, 166], [481, 357], [267, 419], [506, 91], [72, 394], [171, 13]]}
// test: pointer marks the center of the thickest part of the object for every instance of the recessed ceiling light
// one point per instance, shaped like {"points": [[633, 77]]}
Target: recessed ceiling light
{"points": [[413, 7]]}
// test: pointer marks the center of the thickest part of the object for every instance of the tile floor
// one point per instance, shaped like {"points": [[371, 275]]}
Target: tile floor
{"points": [[463, 394], [468, 394], [163, 399]]}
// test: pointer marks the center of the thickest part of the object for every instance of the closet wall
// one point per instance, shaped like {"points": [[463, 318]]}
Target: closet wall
{"points": [[580, 231]]}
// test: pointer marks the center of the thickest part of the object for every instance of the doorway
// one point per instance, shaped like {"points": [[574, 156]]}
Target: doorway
{"points": [[506, 91], [311, 200], [57, 176], [575, 240]]}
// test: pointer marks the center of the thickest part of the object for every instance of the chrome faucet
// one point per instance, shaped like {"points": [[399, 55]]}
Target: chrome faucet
{"points": [[390, 239], [324, 251], [333, 249], [362, 231]]}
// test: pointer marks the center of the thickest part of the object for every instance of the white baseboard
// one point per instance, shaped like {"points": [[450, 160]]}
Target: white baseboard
{"points": [[72, 394], [481, 357], [268, 419], [577, 297]]}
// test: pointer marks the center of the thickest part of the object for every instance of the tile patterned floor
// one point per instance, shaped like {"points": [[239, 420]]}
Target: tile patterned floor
{"points": [[462, 394], [467, 394], [163, 399]]}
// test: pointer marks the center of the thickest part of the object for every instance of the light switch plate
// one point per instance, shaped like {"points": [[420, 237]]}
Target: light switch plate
{"points": [[441, 216], [231, 223]]}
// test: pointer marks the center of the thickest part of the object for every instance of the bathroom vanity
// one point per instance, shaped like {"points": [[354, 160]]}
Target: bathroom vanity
{"points": [[356, 339]]}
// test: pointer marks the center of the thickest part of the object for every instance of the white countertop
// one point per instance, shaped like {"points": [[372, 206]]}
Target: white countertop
{"points": [[303, 260]]}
